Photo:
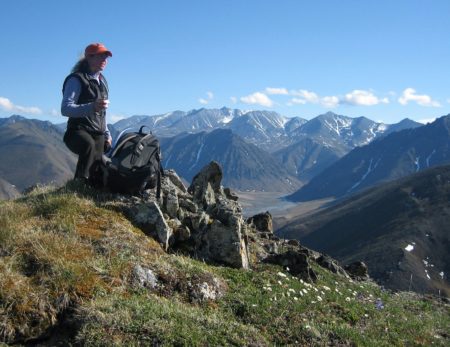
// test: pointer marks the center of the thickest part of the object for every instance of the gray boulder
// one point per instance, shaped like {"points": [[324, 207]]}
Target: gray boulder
{"points": [[297, 262], [144, 278], [262, 222], [152, 222], [331, 264], [175, 179], [206, 184], [357, 270]]}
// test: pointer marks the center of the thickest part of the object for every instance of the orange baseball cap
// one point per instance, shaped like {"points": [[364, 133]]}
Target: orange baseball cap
{"points": [[96, 48]]}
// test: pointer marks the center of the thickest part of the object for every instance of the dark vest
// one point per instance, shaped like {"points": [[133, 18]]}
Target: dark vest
{"points": [[91, 90]]}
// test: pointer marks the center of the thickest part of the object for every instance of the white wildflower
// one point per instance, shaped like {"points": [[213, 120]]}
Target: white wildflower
{"points": [[319, 298], [295, 298], [347, 299], [279, 282], [326, 288], [281, 274], [287, 268], [291, 290]]}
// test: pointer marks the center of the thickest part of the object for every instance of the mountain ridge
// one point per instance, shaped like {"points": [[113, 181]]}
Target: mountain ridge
{"points": [[393, 156], [399, 229]]}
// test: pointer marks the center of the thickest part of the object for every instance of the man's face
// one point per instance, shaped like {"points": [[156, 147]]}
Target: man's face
{"points": [[97, 62]]}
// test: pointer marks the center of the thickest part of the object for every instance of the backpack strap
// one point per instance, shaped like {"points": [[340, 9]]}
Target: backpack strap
{"points": [[142, 127], [159, 175]]}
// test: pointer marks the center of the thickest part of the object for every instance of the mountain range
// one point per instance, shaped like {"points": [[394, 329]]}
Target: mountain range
{"points": [[268, 130], [259, 150], [399, 229], [303, 147], [396, 155]]}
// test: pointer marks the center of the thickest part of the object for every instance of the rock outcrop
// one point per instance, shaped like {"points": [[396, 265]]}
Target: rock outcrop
{"points": [[205, 221]]}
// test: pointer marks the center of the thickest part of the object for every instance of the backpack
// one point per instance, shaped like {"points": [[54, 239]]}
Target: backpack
{"points": [[134, 164]]}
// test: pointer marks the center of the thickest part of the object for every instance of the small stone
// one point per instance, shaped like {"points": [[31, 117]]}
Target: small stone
{"points": [[144, 277]]}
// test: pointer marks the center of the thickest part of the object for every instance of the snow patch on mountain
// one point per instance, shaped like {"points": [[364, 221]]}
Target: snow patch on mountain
{"points": [[198, 156], [369, 170], [417, 163], [429, 157], [409, 248]]}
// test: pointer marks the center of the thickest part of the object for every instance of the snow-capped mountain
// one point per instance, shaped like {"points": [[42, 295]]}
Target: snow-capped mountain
{"points": [[323, 140], [396, 155], [304, 147], [333, 130], [266, 129], [269, 130]]}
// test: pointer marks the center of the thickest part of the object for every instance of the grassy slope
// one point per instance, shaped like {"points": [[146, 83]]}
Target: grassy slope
{"points": [[68, 255]]}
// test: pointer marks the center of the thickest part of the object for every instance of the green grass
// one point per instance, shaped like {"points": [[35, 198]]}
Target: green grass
{"points": [[69, 250]]}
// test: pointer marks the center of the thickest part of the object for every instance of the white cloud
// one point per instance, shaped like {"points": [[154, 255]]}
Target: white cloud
{"points": [[277, 91], [363, 98], [7, 105], [330, 101], [306, 95], [54, 112], [233, 99], [209, 97], [448, 100], [409, 94], [257, 98], [298, 101]]}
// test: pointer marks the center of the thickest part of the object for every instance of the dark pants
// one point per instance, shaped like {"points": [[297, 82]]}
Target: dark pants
{"points": [[89, 148]]}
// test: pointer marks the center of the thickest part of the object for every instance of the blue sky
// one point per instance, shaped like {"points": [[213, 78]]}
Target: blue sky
{"points": [[384, 59]]}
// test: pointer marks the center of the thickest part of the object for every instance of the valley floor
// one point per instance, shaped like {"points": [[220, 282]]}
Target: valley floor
{"points": [[281, 209]]}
